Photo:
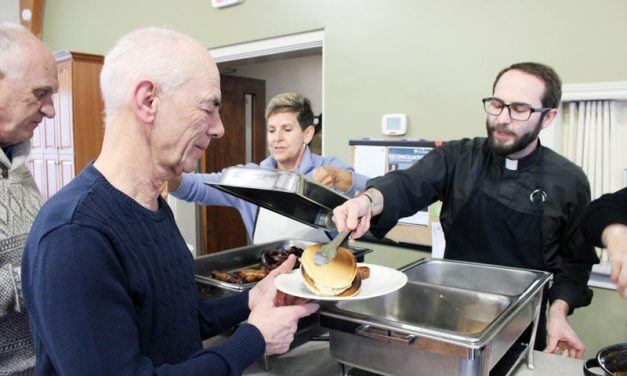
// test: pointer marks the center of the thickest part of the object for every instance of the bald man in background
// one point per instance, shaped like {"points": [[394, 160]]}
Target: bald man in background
{"points": [[28, 78]]}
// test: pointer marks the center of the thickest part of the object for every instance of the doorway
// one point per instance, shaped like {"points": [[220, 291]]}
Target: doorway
{"points": [[290, 63], [242, 113]]}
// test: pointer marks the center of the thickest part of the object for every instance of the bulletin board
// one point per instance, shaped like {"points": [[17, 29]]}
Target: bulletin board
{"points": [[377, 157]]}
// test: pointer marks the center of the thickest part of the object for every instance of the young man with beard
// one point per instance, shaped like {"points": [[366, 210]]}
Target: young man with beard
{"points": [[507, 199]]}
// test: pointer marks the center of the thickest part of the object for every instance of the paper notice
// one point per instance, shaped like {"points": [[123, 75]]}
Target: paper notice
{"points": [[370, 160]]}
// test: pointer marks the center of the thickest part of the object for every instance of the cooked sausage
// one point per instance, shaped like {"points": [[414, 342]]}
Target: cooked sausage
{"points": [[226, 277], [251, 275], [364, 272], [269, 259]]}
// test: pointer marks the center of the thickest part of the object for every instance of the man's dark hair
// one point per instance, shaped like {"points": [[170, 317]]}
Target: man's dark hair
{"points": [[552, 82]]}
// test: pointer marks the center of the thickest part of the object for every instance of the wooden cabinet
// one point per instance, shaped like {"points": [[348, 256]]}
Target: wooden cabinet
{"points": [[62, 146]]}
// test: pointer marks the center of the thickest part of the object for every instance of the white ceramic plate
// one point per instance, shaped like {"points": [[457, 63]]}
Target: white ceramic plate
{"points": [[382, 280]]}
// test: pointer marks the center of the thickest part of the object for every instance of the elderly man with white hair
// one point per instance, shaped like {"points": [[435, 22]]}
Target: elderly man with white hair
{"points": [[28, 78], [108, 279]]}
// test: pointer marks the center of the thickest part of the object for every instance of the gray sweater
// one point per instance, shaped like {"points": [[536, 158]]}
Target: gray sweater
{"points": [[20, 201]]}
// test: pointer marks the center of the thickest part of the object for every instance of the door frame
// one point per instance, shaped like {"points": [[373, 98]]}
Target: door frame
{"points": [[188, 215], [270, 46]]}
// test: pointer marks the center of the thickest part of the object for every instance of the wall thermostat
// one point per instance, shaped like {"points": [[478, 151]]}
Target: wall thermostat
{"points": [[394, 124]]}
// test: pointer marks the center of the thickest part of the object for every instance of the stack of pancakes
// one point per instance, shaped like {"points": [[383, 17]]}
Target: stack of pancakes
{"points": [[340, 277]]}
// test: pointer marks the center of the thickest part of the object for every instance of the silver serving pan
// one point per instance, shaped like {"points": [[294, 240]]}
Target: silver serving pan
{"points": [[285, 192], [451, 318], [246, 257]]}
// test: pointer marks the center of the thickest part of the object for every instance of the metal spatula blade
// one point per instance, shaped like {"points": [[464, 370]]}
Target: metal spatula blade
{"points": [[328, 251]]}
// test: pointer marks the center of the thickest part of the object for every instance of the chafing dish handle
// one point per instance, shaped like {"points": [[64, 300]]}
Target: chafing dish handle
{"points": [[378, 334], [405, 268]]}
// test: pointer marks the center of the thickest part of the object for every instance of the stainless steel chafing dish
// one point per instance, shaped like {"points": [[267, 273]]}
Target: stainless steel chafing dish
{"points": [[286, 192], [452, 318]]}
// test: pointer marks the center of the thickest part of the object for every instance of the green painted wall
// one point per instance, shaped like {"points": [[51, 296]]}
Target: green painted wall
{"points": [[433, 60], [602, 323]]}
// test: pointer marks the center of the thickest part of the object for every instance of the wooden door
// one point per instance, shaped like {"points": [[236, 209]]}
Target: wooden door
{"points": [[87, 131], [242, 98]]}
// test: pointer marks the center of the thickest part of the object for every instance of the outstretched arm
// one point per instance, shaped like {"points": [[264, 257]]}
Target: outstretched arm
{"points": [[333, 177]]}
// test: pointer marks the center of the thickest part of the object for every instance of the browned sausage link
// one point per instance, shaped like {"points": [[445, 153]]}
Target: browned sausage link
{"points": [[364, 272], [251, 275], [226, 277]]}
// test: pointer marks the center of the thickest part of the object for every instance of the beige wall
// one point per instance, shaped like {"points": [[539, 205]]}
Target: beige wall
{"points": [[433, 60]]}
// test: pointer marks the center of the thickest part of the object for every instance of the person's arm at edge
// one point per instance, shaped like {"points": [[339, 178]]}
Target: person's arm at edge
{"points": [[611, 208], [605, 225]]}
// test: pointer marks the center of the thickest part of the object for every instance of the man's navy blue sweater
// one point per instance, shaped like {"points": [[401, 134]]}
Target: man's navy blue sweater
{"points": [[110, 290]]}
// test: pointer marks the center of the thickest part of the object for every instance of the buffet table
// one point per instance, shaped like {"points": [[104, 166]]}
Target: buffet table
{"points": [[314, 358]]}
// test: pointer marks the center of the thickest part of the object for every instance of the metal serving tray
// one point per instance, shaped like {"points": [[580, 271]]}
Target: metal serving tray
{"points": [[246, 257], [451, 318], [286, 192]]}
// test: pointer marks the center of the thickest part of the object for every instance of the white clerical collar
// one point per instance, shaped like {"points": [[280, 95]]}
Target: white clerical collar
{"points": [[511, 164]]}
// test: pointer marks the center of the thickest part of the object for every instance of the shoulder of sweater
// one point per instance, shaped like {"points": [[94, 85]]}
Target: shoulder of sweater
{"points": [[63, 205]]}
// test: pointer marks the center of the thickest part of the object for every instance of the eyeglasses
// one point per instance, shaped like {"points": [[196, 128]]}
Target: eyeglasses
{"points": [[517, 111]]}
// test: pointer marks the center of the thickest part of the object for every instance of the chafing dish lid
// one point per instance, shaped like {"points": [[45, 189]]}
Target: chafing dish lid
{"points": [[285, 192]]}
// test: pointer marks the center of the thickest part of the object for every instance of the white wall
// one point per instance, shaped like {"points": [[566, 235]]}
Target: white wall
{"points": [[301, 75], [298, 74], [10, 11]]}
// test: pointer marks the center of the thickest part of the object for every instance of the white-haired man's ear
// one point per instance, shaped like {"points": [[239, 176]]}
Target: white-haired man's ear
{"points": [[145, 101]]}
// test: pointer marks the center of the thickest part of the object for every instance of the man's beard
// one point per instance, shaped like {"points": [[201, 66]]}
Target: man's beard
{"points": [[520, 143]]}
